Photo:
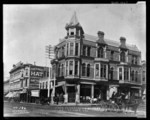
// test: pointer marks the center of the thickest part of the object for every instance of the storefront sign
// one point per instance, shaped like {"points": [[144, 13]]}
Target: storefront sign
{"points": [[35, 93]]}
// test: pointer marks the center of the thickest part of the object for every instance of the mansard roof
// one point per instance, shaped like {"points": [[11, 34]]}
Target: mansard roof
{"points": [[110, 42]]}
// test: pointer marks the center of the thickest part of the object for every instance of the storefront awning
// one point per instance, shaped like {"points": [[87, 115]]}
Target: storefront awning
{"points": [[9, 94], [136, 87], [59, 85]]}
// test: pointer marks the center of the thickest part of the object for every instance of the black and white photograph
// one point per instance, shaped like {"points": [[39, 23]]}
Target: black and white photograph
{"points": [[74, 60]]}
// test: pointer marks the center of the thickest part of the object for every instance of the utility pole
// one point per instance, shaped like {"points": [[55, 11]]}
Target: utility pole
{"points": [[49, 55]]}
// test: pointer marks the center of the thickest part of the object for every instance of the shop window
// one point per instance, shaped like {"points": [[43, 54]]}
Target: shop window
{"points": [[122, 56], [71, 49], [71, 68], [88, 51], [97, 70], [103, 71], [76, 49], [84, 50], [83, 69], [100, 52], [76, 67], [88, 70], [120, 73]]}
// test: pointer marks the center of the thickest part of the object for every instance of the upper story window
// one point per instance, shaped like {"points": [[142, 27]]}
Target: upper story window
{"points": [[144, 75], [83, 69], [71, 68], [26, 73], [72, 33], [26, 82], [112, 55], [63, 51], [97, 70], [88, 70], [71, 49], [67, 48], [136, 76], [62, 67], [132, 75], [76, 67], [66, 68], [134, 59], [111, 73], [88, 51], [103, 71], [46, 84], [76, 49], [122, 56], [126, 73], [100, 52], [120, 73], [84, 50]]}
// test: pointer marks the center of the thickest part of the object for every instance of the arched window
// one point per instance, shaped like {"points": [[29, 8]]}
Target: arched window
{"points": [[136, 76], [83, 69], [100, 52], [122, 56], [88, 70]]}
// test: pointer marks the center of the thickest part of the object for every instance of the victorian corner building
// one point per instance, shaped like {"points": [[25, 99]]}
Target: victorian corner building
{"points": [[87, 65], [84, 67]]}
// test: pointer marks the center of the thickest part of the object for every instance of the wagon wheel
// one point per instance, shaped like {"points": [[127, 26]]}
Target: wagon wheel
{"points": [[115, 107]]}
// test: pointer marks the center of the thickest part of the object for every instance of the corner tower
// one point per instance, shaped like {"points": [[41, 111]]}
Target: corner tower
{"points": [[74, 29]]}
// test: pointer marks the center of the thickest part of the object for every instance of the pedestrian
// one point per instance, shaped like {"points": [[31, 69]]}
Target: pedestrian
{"points": [[57, 99]]}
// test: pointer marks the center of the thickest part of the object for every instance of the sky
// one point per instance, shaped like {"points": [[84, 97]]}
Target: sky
{"points": [[28, 28]]}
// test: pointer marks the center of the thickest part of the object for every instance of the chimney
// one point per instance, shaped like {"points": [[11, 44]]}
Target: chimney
{"points": [[100, 35], [34, 62], [123, 40]]}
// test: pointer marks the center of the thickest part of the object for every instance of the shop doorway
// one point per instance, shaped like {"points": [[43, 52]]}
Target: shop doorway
{"points": [[71, 93]]}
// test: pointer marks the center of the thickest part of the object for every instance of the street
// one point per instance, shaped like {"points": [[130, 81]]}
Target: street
{"points": [[34, 110]]}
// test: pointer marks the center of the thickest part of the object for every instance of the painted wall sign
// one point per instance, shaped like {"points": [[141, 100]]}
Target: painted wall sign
{"points": [[36, 72]]}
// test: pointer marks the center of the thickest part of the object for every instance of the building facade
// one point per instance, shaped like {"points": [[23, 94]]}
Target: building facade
{"points": [[143, 77], [6, 86], [24, 81], [87, 66]]}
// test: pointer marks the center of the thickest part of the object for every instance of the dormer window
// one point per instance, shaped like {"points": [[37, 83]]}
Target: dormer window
{"points": [[122, 56], [100, 52], [72, 33]]}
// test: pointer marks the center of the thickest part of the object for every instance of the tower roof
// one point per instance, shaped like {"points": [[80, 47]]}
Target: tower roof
{"points": [[74, 20]]}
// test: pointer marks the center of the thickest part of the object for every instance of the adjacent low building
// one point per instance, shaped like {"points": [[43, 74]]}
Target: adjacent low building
{"points": [[24, 80]]}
